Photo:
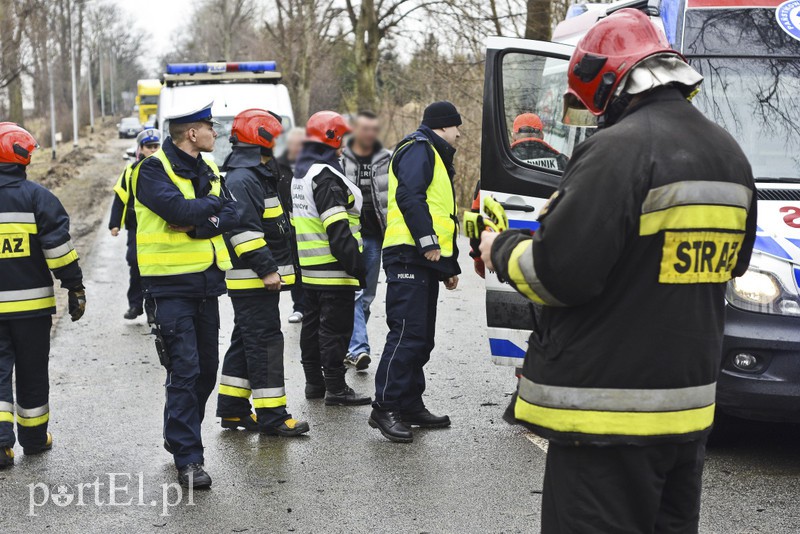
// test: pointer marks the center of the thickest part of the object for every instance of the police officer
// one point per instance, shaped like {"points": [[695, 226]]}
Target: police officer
{"points": [[528, 143], [630, 263], [326, 214], [182, 210], [123, 214], [34, 242], [263, 264], [419, 251]]}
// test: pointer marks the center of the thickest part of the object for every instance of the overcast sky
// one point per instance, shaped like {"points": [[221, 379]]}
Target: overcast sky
{"points": [[160, 19]]}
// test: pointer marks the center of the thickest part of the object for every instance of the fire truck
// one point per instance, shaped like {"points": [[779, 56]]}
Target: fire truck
{"points": [[749, 54]]}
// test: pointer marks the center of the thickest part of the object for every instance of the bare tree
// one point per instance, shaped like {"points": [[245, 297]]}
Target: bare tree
{"points": [[12, 15], [303, 33]]}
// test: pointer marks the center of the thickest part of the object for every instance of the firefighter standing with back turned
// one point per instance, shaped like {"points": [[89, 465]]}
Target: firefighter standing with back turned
{"points": [[182, 210], [656, 212], [261, 250], [34, 241]]}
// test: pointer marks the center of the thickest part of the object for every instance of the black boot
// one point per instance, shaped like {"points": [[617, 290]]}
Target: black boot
{"points": [[133, 313], [391, 426], [194, 476], [6, 457], [315, 383], [339, 393], [425, 419]]}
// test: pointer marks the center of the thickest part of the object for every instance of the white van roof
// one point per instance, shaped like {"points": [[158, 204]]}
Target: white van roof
{"points": [[229, 98]]}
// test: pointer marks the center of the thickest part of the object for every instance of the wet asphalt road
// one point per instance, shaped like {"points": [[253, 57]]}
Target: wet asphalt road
{"points": [[480, 475]]}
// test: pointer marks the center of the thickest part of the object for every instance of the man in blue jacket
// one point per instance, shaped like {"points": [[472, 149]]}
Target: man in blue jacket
{"points": [[419, 251], [182, 210]]}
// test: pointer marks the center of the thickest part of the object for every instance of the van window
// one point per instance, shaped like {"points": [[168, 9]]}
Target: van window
{"points": [[533, 89]]}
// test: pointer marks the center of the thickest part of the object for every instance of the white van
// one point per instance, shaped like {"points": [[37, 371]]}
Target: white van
{"points": [[233, 87]]}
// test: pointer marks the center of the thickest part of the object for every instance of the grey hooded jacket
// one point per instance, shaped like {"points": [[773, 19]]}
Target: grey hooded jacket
{"points": [[380, 177]]}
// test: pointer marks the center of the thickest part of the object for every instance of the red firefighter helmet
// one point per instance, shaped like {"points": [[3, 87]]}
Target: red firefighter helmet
{"points": [[608, 51], [16, 144], [528, 120], [327, 127], [256, 127]]}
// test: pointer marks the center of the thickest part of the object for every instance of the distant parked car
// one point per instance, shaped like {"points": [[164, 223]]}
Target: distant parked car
{"points": [[129, 127]]}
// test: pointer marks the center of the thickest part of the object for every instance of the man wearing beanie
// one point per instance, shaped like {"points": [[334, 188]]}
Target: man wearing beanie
{"points": [[419, 252]]}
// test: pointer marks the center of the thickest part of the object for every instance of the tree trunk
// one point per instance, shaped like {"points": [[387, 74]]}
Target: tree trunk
{"points": [[537, 23], [366, 54], [9, 43]]}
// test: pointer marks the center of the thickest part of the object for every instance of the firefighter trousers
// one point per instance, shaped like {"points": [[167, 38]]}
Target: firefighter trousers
{"points": [[190, 330], [25, 350], [412, 292], [623, 488], [253, 364], [326, 332]]}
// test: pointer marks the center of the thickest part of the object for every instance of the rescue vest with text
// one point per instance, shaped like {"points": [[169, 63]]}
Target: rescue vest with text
{"points": [[34, 242], [161, 251], [441, 204], [318, 266]]}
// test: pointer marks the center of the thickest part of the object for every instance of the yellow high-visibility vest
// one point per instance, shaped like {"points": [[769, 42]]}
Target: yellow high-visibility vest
{"points": [[123, 190], [164, 252], [441, 204]]}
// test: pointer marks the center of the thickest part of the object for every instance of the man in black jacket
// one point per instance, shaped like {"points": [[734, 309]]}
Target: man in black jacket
{"points": [[286, 163], [419, 252], [263, 264], [35, 246], [655, 214], [123, 214], [326, 214]]}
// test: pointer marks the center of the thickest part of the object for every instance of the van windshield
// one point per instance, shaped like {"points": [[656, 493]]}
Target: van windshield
{"points": [[757, 101], [752, 83]]}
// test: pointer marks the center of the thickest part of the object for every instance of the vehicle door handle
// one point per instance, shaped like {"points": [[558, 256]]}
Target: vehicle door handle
{"points": [[517, 207]]}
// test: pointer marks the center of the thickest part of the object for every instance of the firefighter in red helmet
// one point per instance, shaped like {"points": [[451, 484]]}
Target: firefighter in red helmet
{"points": [[326, 214], [34, 242], [528, 144], [263, 265], [656, 212]]}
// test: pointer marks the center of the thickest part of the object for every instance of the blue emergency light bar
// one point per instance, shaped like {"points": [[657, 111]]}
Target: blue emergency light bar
{"points": [[221, 67]]}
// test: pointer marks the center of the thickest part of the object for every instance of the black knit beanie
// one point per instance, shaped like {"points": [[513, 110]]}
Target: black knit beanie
{"points": [[441, 114]]}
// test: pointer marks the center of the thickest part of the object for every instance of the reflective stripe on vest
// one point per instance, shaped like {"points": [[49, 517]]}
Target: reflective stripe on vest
{"points": [[239, 279], [441, 205], [627, 412], [164, 252], [313, 246], [24, 300], [122, 188]]}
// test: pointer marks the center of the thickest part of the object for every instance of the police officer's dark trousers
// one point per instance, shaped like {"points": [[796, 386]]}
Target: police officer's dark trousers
{"points": [[326, 332], [24, 350], [411, 296], [253, 364], [623, 489], [135, 298], [190, 329]]}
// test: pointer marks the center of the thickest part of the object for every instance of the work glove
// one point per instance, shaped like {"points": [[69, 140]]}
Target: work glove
{"points": [[77, 302]]}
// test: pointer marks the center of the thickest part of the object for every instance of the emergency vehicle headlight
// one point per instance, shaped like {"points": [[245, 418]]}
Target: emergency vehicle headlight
{"points": [[756, 288]]}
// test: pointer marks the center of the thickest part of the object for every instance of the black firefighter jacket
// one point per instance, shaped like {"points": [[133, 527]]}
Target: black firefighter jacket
{"points": [[654, 215]]}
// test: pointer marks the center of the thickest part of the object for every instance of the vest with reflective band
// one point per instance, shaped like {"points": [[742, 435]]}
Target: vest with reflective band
{"points": [[276, 236], [441, 204], [122, 188], [164, 252], [318, 266]]}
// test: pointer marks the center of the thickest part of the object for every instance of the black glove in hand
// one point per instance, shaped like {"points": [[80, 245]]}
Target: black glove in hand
{"points": [[77, 302]]}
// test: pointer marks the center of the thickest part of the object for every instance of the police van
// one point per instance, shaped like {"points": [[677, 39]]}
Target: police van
{"points": [[234, 87], [749, 53]]}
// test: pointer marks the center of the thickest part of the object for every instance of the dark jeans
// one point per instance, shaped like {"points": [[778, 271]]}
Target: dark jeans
{"points": [[298, 300], [135, 297], [25, 349], [412, 292], [327, 327], [623, 489], [190, 327], [254, 362]]}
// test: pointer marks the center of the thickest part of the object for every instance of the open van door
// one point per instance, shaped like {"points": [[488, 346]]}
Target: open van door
{"points": [[524, 79]]}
